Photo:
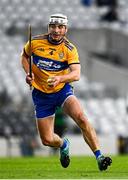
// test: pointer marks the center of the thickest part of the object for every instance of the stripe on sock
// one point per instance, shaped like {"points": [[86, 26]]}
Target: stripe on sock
{"points": [[97, 153]]}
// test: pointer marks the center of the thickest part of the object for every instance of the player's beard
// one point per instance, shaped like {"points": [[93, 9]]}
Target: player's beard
{"points": [[55, 38]]}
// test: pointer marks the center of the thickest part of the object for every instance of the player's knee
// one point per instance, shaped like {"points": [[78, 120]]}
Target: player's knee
{"points": [[46, 141], [81, 119]]}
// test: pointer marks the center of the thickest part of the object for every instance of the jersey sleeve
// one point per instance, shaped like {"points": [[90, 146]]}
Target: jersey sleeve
{"points": [[73, 57], [26, 50]]}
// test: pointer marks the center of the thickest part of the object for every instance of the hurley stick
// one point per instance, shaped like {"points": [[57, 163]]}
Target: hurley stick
{"points": [[30, 52]]}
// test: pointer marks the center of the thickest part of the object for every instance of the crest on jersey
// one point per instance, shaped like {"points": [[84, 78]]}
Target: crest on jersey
{"points": [[61, 55]]}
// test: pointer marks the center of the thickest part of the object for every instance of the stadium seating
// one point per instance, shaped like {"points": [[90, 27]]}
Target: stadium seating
{"points": [[39, 12]]}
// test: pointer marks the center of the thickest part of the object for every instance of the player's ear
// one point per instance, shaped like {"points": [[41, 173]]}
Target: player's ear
{"points": [[66, 29]]}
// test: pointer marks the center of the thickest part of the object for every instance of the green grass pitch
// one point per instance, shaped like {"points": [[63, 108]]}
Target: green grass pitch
{"points": [[81, 167]]}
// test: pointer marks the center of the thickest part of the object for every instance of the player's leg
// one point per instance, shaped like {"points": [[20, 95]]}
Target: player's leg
{"points": [[45, 106], [46, 131], [49, 138], [73, 108]]}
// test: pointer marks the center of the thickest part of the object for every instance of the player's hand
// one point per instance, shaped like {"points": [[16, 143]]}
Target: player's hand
{"points": [[29, 79], [54, 81]]}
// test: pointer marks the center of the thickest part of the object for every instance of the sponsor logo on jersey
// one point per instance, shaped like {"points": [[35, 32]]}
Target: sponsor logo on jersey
{"points": [[49, 64], [40, 49]]}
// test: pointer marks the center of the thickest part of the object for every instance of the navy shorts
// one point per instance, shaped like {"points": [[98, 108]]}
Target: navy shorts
{"points": [[46, 104]]}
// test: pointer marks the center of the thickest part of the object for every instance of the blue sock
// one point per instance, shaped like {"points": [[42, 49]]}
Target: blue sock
{"points": [[64, 144], [97, 153]]}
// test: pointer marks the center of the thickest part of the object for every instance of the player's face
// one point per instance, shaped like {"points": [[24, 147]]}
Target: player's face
{"points": [[57, 31]]}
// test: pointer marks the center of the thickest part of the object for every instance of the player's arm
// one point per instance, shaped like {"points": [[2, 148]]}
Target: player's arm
{"points": [[73, 75], [25, 65]]}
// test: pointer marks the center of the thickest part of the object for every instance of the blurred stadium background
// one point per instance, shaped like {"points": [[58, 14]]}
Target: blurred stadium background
{"points": [[103, 88]]}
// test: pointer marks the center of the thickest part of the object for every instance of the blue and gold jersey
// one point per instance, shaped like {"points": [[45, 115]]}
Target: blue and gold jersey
{"points": [[50, 60]]}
